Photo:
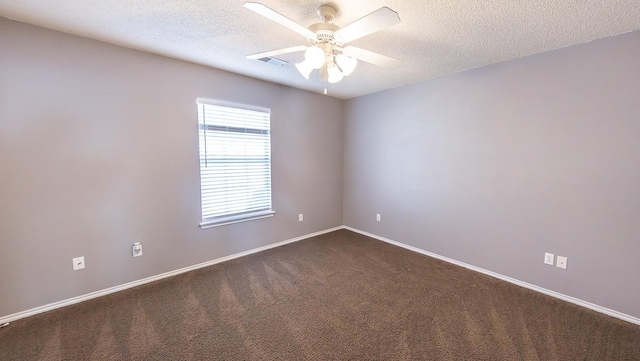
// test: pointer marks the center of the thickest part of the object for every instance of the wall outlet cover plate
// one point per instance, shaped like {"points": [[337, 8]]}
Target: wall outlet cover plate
{"points": [[136, 249], [548, 258]]}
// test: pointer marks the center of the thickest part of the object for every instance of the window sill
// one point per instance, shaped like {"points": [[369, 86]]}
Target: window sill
{"points": [[223, 221]]}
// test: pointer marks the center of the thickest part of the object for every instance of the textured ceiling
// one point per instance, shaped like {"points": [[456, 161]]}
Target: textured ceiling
{"points": [[435, 37]]}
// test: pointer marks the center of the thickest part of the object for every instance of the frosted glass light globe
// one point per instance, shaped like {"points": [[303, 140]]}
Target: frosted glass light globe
{"points": [[314, 56], [346, 63], [304, 68], [335, 75]]}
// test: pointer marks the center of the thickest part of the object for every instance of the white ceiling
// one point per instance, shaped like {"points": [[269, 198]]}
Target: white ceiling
{"points": [[435, 37]]}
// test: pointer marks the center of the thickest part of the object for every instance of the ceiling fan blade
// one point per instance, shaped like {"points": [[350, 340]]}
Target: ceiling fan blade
{"points": [[280, 19], [376, 21], [292, 49], [371, 57]]}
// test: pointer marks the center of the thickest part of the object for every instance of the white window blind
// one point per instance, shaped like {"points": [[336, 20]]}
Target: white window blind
{"points": [[235, 163]]}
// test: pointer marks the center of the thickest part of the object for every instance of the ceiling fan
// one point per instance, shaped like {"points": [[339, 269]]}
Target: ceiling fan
{"points": [[326, 51]]}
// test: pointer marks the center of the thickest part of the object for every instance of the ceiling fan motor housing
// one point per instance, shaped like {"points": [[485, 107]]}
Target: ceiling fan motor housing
{"points": [[324, 33], [325, 30]]}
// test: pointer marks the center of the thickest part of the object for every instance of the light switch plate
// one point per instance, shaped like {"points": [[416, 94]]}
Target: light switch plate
{"points": [[78, 263], [562, 262]]}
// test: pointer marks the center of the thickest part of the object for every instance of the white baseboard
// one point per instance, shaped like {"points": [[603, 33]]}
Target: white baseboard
{"points": [[579, 302], [106, 291]]}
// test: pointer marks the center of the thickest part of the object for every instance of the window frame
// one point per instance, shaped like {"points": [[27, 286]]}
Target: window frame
{"points": [[236, 217]]}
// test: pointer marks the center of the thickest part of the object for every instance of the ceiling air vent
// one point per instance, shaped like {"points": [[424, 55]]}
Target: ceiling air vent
{"points": [[273, 61]]}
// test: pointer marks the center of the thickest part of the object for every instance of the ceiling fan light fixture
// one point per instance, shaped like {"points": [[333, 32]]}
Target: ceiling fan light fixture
{"points": [[346, 63], [314, 56], [304, 68], [323, 75], [327, 51], [335, 75]]}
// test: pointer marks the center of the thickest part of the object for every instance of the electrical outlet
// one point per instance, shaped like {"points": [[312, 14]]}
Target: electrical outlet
{"points": [[548, 258], [562, 262], [78, 263], [378, 217], [136, 249], [300, 217]]}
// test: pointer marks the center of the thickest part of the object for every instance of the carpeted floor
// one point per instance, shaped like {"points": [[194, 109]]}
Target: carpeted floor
{"points": [[339, 296]]}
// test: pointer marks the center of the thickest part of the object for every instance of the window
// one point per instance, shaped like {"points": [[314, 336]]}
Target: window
{"points": [[235, 163]]}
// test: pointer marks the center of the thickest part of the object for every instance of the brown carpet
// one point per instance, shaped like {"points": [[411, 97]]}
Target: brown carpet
{"points": [[339, 296]]}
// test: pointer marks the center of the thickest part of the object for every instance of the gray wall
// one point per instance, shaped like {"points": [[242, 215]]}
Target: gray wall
{"points": [[495, 166], [99, 148]]}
